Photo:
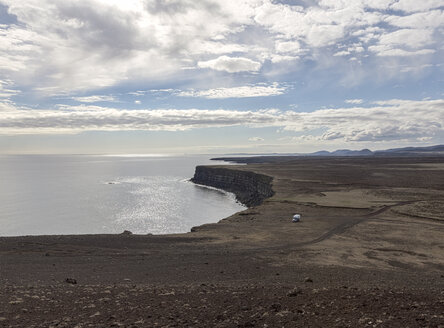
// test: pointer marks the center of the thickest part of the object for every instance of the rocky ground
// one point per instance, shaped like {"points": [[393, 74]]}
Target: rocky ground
{"points": [[246, 305], [369, 252]]}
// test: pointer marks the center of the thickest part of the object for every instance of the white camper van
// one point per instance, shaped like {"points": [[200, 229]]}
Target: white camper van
{"points": [[296, 218]]}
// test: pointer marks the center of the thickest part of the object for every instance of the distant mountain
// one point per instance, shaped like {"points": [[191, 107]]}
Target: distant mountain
{"points": [[407, 151], [437, 150], [319, 153], [421, 151], [343, 152]]}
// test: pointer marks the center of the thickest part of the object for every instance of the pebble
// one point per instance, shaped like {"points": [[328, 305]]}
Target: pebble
{"points": [[71, 281], [276, 307], [294, 292]]}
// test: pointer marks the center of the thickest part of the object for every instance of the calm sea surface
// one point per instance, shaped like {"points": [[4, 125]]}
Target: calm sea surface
{"points": [[81, 194]]}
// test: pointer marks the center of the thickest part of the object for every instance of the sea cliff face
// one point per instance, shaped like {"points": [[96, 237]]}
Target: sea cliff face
{"points": [[250, 188]]}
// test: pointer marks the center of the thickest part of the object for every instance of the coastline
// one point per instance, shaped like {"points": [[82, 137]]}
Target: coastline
{"points": [[255, 267]]}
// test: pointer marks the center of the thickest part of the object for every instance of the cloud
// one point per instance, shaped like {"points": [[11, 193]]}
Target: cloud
{"points": [[415, 6], [256, 139], [94, 99], [432, 19], [281, 59], [388, 120], [317, 26], [385, 121], [77, 45], [231, 64], [415, 68], [200, 47], [414, 38], [6, 89], [74, 119], [138, 93], [354, 101], [237, 92], [386, 51], [68, 46], [404, 42], [342, 53], [288, 47]]}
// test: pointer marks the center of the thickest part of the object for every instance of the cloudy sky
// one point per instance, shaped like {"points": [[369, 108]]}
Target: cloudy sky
{"points": [[220, 76]]}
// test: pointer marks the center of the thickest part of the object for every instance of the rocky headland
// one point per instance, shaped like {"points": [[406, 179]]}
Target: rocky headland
{"points": [[250, 188]]}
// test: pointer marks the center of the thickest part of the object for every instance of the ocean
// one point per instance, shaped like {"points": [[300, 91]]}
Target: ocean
{"points": [[93, 194]]}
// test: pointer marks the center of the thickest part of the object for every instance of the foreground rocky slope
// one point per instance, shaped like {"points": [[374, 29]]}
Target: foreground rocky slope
{"points": [[210, 305]]}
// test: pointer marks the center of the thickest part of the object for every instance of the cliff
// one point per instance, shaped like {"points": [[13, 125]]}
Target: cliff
{"points": [[250, 188]]}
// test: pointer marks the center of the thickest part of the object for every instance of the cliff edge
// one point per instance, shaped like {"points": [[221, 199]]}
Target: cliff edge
{"points": [[250, 188]]}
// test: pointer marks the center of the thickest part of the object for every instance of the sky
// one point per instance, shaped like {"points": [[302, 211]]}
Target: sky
{"points": [[220, 76]]}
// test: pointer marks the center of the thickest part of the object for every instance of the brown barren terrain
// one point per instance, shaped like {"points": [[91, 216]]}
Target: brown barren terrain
{"points": [[368, 252]]}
